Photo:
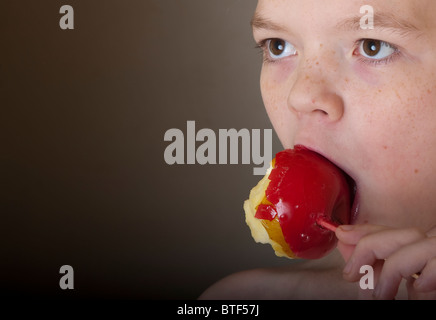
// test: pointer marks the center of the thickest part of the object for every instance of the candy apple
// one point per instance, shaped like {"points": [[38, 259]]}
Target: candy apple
{"points": [[298, 203]]}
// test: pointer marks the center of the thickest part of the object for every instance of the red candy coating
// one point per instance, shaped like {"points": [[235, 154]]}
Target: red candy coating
{"points": [[306, 188]]}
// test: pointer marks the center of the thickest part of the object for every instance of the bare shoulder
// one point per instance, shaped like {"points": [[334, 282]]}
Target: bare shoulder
{"points": [[318, 279]]}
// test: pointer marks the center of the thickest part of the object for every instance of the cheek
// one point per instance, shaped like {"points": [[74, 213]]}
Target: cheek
{"points": [[409, 118], [366, 74], [275, 91], [400, 133]]}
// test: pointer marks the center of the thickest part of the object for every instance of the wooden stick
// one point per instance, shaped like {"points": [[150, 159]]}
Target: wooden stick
{"points": [[327, 224]]}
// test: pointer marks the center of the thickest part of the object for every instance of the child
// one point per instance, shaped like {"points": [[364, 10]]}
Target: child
{"points": [[365, 98]]}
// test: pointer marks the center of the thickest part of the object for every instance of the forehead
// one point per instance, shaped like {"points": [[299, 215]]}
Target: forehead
{"points": [[419, 13]]}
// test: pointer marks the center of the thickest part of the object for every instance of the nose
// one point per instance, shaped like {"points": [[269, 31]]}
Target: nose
{"points": [[313, 93]]}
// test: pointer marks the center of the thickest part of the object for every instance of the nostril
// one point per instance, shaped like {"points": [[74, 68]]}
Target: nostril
{"points": [[322, 111], [305, 100], [318, 110]]}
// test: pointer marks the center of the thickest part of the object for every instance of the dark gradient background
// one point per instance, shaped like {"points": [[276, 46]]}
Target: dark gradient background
{"points": [[83, 118]]}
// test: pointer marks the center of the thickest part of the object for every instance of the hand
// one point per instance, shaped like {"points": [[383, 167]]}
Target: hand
{"points": [[394, 254]]}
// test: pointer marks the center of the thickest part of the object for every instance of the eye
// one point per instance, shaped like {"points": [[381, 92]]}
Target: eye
{"points": [[279, 48], [376, 49]]}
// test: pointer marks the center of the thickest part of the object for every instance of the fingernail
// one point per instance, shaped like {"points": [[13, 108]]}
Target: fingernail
{"points": [[348, 267], [418, 282], [377, 292], [346, 227], [380, 291]]}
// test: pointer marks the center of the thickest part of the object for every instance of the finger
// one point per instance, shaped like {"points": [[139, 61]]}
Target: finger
{"points": [[431, 232], [405, 262], [378, 246], [345, 250], [418, 295], [427, 279], [351, 234]]}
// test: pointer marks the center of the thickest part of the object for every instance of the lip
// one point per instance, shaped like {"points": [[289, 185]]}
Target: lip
{"points": [[356, 205], [354, 186]]}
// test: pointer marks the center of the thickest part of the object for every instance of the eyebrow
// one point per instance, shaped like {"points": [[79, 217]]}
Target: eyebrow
{"points": [[381, 21], [259, 22]]}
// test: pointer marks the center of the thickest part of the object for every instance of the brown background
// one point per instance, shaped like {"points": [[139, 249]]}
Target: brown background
{"points": [[83, 178]]}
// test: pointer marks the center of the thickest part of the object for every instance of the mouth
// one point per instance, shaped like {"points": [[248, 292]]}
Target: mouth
{"points": [[354, 197], [353, 185]]}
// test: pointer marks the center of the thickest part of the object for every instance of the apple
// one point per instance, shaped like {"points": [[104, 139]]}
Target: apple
{"points": [[305, 198]]}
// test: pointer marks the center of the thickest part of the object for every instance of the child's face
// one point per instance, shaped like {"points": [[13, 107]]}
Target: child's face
{"points": [[365, 99]]}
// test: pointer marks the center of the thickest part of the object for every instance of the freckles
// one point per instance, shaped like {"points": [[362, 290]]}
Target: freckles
{"points": [[398, 95], [365, 74], [275, 84], [272, 98]]}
